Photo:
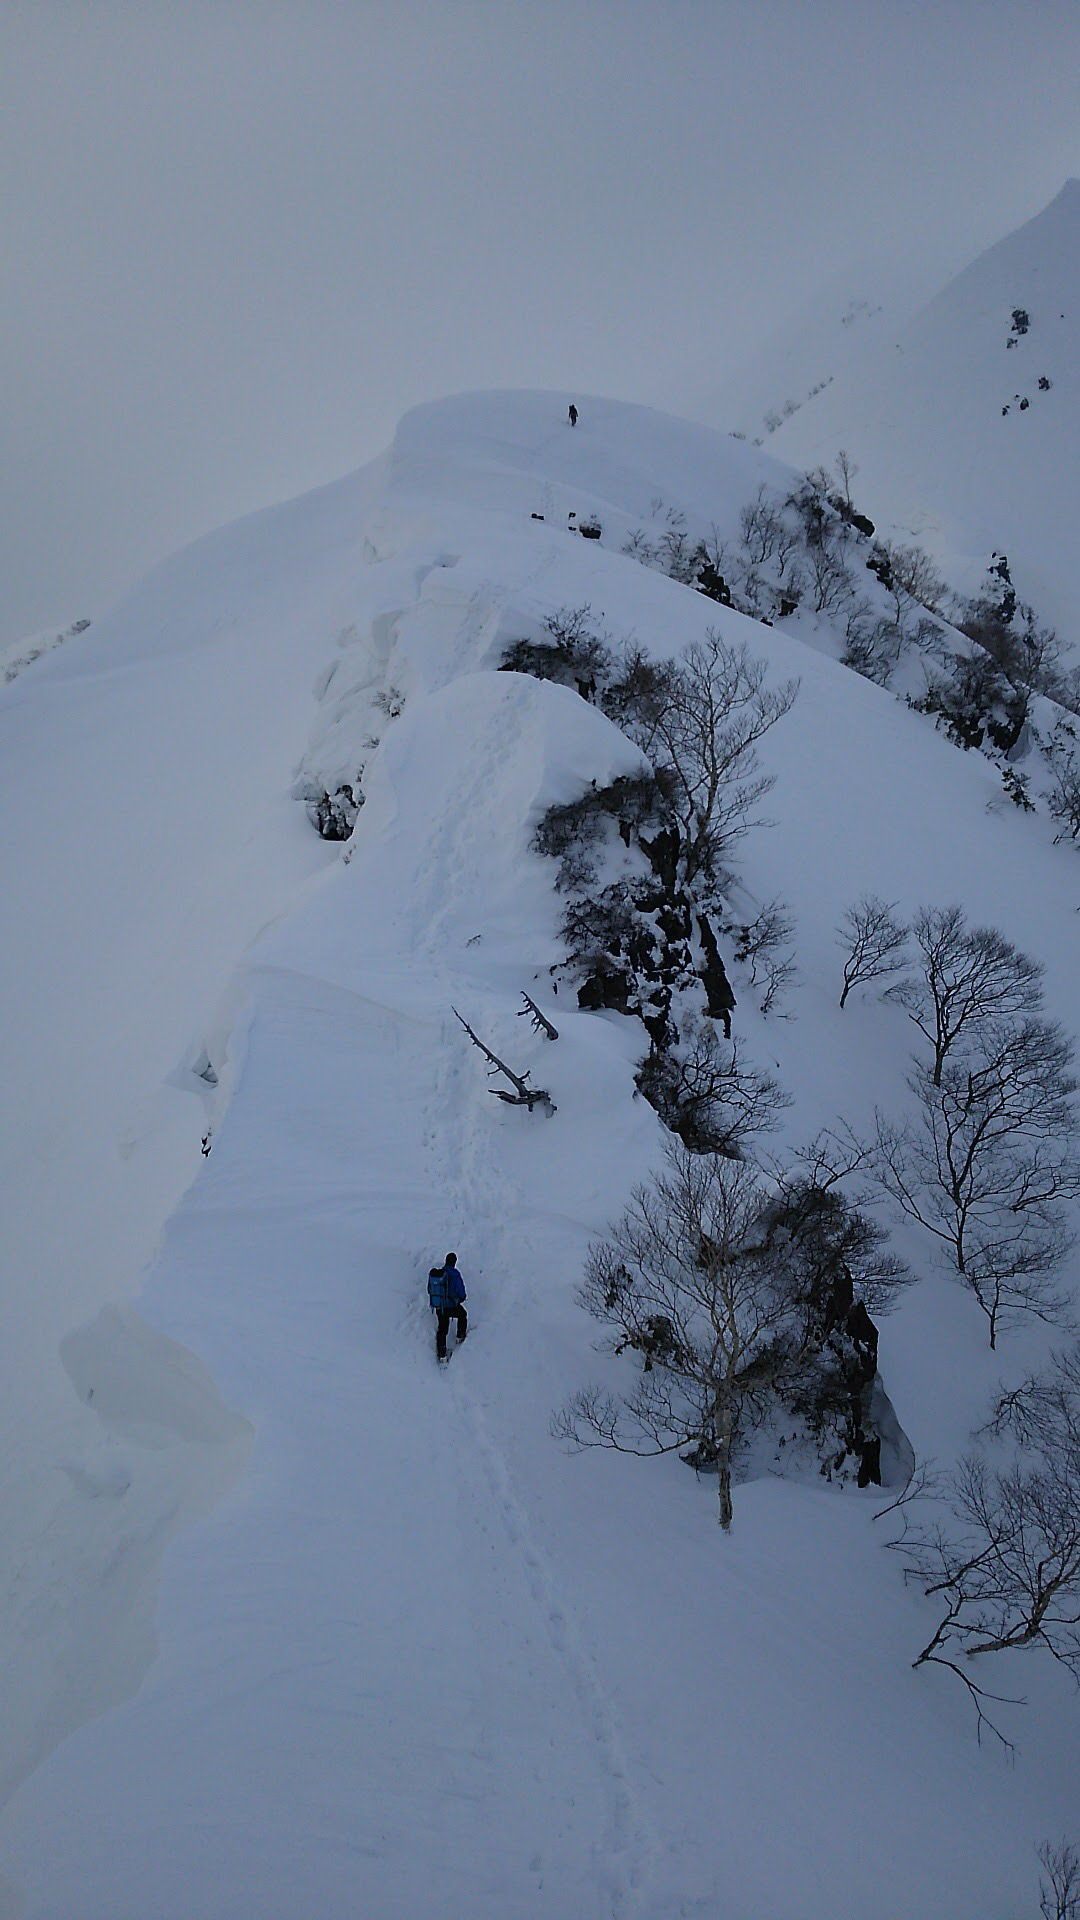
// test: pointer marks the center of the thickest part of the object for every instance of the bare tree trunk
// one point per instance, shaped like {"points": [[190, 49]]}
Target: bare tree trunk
{"points": [[724, 1489], [725, 1420]]}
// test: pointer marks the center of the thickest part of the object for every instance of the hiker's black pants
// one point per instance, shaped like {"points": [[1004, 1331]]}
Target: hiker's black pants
{"points": [[442, 1327]]}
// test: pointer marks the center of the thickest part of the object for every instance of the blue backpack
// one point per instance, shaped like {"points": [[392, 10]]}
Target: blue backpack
{"points": [[445, 1288]]}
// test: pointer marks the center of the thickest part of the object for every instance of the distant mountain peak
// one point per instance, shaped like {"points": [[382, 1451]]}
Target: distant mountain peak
{"points": [[965, 437]]}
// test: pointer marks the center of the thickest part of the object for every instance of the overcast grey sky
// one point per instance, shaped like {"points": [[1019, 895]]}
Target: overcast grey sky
{"points": [[240, 237]]}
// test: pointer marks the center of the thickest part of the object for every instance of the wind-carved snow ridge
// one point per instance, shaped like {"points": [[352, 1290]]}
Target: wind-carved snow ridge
{"points": [[418, 1659]]}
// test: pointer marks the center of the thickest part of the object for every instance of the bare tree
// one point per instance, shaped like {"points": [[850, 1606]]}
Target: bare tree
{"points": [[989, 1163], [868, 643], [830, 581], [913, 587], [912, 574], [778, 971], [700, 721], [1045, 1407], [708, 1096], [726, 1292], [830, 1227], [673, 1282], [846, 469], [1064, 767], [1066, 690], [761, 526], [1059, 1893], [1006, 1562], [677, 553], [875, 943], [765, 946], [826, 537], [639, 547], [966, 977]]}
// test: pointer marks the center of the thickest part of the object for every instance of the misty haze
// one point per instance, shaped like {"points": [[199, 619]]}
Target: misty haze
{"points": [[539, 814]]}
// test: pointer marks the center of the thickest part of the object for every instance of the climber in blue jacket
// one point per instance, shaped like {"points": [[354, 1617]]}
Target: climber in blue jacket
{"points": [[446, 1292]]}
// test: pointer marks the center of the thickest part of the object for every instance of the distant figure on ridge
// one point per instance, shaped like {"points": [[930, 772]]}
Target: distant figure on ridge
{"points": [[573, 414], [446, 1292]]}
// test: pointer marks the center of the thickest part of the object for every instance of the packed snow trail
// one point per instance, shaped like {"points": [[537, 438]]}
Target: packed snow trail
{"points": [[417, 1660], [396, 1677]]}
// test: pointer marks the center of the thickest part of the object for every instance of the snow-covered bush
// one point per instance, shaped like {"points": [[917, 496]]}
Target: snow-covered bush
{"points": [[642, 865], [574, 653], [574, 832], [973, 665], [334, 814], [1027, 655]]}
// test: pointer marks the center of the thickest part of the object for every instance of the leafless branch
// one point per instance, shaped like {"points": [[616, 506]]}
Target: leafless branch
{"points": [[1060, 1900], [539, 1020], [978, 1695], [523, 1095], [874, 940]]}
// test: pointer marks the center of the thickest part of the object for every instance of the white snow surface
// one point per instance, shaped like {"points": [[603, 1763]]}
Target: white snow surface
{"points": [[297, 1624], [923, 418]]}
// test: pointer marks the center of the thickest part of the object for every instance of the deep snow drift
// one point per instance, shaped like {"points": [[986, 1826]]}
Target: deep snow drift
{"points": [[407, 1655]]}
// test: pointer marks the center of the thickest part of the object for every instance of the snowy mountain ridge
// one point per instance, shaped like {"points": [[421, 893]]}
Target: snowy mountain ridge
{"points": [[414, 1657]]}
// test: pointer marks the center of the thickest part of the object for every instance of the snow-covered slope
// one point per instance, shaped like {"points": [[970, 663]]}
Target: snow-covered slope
{"points": [[20, 654], [413, 1658], [958, 441], [785, 372]]}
